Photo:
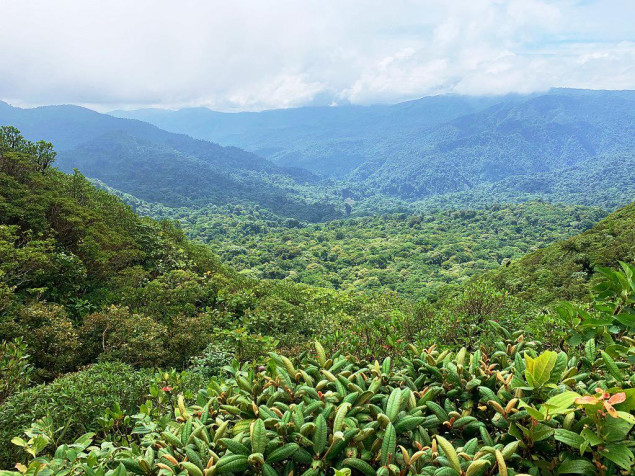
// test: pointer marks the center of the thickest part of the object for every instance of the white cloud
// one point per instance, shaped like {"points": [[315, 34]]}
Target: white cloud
{"points": [[252, 54]]}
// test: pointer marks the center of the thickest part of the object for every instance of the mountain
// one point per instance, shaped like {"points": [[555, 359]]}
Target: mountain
{"points": [[605, 180], [507, 148], [156, 165], [564, 146], [543, 134], [331, 141]]}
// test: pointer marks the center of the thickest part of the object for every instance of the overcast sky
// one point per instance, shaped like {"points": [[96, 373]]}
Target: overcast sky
{"points": [[261, 54]]}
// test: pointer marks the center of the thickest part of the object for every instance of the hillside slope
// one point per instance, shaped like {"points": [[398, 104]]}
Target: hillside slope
{"points": [[605, 181], [168, 168], [450, 151], [82, 277], [563, 270], [543, 134]]}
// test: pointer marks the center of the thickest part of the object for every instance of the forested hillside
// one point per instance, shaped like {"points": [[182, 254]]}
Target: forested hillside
{"points": [[604, 180], [78, 267], [171, 169], [331, 141], [566, 146], [563, 270], [413, 254], [542, 134]]}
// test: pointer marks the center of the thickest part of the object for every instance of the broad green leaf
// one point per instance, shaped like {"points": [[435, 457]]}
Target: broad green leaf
{"points": [[320, 435], [120, 471], [619, 454], [393, 404], [389, 444], [559, 403], [615, 429], [591, 437], [450, 453], [538, 370], [627, 416], [569, 438], [577, 466], [626, 319], [258, 436], [611, 367]]}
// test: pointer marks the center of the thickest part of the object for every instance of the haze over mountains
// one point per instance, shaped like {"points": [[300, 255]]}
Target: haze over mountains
{"points": [[570, 146], [511, 145], [331, 141]]}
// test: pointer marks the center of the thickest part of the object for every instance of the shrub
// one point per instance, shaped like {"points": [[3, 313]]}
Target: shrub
{"points": [[215, 356], [519, 410], [187, 337], [50, 336], [117, 334], [74, 402], [378, 328], [15, 369]]}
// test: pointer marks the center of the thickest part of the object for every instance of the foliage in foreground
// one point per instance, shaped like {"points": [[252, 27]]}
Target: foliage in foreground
{"points": [[72, 403], [521, 409]]}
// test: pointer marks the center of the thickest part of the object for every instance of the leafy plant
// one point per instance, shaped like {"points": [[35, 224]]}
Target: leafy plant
{"points": [[430, 412], [15, 368], [74, 402]]}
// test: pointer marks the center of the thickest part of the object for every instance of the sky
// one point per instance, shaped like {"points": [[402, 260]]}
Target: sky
{"points": [[236, 55]]}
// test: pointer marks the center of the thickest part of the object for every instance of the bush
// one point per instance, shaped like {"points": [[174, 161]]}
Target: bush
{"points": [[50, 336], [215, 356], [15, 369], [74, 402], [118, 335], [430, 413]]}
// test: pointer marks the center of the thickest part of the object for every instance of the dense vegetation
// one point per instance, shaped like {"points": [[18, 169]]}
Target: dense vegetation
{"points": [[171, 169], [414, 255], [564, 270], [320, 164], [571, 146], [604, 180], [82, 276], [517, 409], [94, 300]]}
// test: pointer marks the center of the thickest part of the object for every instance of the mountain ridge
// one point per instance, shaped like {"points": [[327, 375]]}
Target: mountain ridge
{"points": [[207, 172]]}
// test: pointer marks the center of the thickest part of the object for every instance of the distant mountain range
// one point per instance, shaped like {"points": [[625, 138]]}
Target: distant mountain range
{"points": [[331, 141], [511, 146], [570, 146], [160, 166], [508, 141]]}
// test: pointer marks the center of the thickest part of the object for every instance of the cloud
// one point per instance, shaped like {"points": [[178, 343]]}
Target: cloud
{"points": [[252, 54]]}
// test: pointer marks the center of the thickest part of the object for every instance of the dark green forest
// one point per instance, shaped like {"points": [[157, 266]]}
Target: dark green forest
{"points": [[496, 148], [192, 309], [413, 254]]}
